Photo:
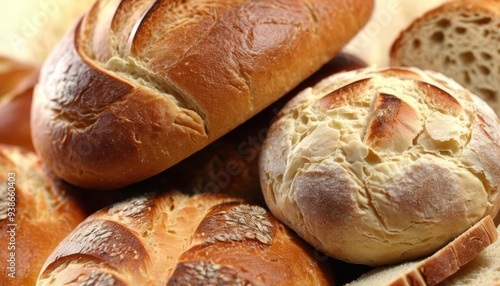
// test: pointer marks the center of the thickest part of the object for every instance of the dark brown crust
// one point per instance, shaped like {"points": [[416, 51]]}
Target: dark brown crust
{"points": [[100, 128]]}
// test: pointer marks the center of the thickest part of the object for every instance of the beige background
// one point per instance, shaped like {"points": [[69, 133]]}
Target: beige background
{"points": [[30, 28]]}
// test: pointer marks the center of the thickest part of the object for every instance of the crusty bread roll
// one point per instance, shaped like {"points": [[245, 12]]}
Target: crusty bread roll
{"points": [[37, 211], [380, 166], [440, 265], [138, 86], [459, 39], [176, 239]]}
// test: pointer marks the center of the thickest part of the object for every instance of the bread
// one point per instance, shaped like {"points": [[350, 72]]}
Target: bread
{"points": [[138, 86], [459, 39], [440, 265], [389, 17], [229, 165], [379, 166], [12, 72], [482, 270], [36, 212], [17, 82], [175, 239]]}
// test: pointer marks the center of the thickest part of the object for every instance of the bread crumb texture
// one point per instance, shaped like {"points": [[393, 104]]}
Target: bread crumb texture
{"points": [[460, 39], [380, 166]]}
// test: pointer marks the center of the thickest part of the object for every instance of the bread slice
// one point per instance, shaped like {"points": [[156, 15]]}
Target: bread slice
{"points": [[459, 39], [439, 266], [482, 270]]}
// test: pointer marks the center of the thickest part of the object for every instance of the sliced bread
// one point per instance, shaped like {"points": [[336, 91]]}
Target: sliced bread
{"points": [[439, 266], [460, 39], [482, 270]]}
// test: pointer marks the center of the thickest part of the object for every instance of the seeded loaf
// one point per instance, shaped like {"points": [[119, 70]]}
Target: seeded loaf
{"points": [[459, 39], [380, 166], [137, 86], [37, 211], [176, 239], [440, 265]]}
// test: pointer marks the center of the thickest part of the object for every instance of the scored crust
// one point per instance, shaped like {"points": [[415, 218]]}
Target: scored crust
{"points": [[380, 166], [138, 86], [176, 239]]}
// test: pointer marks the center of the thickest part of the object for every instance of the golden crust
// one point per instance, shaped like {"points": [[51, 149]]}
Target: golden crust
{"points": [[134, 89], [176, 239], [45, 212]]}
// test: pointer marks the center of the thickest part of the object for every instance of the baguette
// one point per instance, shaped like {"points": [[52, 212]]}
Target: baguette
{"points": [[172, 238], [440, 265], [136, 87], [459, 39], [379, 166], [37, 211]]}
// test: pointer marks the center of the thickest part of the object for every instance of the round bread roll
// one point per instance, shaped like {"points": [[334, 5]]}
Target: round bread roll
{"points": [[36, 212], [177, 239], [379, 166], [138, 86]]}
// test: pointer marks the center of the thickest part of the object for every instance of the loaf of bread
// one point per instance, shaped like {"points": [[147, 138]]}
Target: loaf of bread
{"points": [[440, 265], [37, 211], [175, 239], [459, 39], [17, 81], [379, 166], [136, 87], [12, 72]]}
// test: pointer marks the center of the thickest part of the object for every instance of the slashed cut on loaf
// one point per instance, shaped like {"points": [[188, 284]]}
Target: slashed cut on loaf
{"points": [[176, 239], [439, 266], [460, 39], [379, 166], [138, 86]]}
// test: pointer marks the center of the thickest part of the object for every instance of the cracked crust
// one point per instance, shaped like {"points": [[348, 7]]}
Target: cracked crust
{"points": [[137, 86], [176, 239], [379, 166]]}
